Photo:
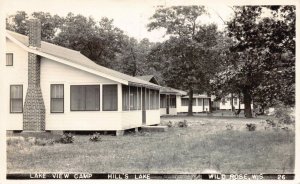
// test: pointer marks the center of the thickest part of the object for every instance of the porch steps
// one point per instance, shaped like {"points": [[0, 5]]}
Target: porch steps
{"points": [[154, 128]]}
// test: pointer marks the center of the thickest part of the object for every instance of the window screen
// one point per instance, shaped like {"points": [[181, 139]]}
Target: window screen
{"points": [[16, 98], [9, 59], [85, 98], [57, 98], [110, 97]]}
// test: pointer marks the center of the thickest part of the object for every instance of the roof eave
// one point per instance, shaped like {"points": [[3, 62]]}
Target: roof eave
{"points": [[63, 61]]}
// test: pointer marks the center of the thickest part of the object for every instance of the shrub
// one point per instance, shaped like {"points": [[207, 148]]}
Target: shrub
{"points": [[66, 138], [284, 115], [170, 124], [182, 124], [251, 127], [95, 137]]}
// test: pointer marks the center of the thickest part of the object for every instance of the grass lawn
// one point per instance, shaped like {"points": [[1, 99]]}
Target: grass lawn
{"points": [[204, 144]]}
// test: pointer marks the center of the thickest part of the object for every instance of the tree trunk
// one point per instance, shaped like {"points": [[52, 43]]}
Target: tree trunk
{"points": [[190, 109], [247, 102]]}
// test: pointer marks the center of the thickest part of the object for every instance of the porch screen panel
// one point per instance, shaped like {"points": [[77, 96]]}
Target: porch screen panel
{"points": [[184, 102], [133, 98], [139, 99], [16, 98], [206, 102], [110, 97], [57, 98], [163, 101], [92, 98], [172, 101], [194, 101], [125, 98], [152, 98], [200, 101], [156, 99], [147, 99]]}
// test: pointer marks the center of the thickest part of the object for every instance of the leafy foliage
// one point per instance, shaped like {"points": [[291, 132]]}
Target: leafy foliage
{"points": [[66, 138], [188, 58], [99, 41], [49, 24], [95, 137], [251, 127], [260, 63], [182, 124]]}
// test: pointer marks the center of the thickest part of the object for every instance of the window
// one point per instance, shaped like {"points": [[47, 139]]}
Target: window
{"points": [[16, 98], [57, 98], [85, 98], [9, 59], [172, 101], [110, 97], [163, 101], [185, 102]]}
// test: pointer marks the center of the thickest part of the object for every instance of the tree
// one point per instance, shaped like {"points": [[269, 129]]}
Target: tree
{"points": [[261, 62], [187, 58], [49, 24], [99, 41], [133, 58]]}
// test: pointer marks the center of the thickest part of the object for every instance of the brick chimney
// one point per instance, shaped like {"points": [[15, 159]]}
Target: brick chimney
{"points": [[34, 108]]}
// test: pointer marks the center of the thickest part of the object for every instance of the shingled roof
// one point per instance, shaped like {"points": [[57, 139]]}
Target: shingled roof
{"points": [[77, 58], [163, 90]]}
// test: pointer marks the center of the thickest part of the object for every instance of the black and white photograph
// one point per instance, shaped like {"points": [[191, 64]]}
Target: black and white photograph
{"points": [[148, 90]]}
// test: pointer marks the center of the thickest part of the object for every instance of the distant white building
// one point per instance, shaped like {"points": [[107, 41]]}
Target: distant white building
{"points": [[174, 101]]}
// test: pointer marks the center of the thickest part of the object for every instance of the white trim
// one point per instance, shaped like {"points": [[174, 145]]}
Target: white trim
{"points": [[63, 61]]}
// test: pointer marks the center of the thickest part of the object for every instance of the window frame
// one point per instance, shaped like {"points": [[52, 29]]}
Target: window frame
{"points": [[10, 99], [63, 98], [85, 97], [12, 56], [103, 97]]}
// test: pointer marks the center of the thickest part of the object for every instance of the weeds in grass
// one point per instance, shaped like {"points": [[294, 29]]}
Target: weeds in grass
{"points": [[67, 138], [229, 127], [251, 126], [182, 124], [95, 137], [170, 124]]}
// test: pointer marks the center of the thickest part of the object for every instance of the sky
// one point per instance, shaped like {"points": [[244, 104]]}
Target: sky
{"points": [[132, 16]]}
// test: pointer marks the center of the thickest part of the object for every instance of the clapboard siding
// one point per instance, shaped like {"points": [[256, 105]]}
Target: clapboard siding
{"points": [[14, 75], [56, 73], [163, 111], [152, 117], [131, 119]]}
